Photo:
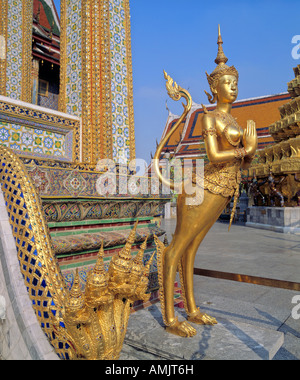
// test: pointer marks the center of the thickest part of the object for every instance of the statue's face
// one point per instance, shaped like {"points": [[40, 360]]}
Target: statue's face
{"points": [[227, 89]]}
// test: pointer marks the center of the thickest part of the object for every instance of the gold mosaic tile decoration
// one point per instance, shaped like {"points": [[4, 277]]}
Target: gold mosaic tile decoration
{"points": [[96, 76]]}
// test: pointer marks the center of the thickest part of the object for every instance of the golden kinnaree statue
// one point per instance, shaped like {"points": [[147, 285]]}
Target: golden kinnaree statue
{"points": [[229, 148]]}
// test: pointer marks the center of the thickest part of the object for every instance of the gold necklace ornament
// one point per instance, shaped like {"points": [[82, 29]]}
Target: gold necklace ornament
{"points": [[228, 120]]}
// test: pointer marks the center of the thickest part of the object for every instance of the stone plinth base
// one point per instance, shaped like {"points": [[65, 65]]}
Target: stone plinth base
{"points": [[278, 219], [146, 338]]}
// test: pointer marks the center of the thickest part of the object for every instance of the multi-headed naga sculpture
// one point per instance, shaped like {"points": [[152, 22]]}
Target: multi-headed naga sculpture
{"points": [[229, 148], [80, 325]]}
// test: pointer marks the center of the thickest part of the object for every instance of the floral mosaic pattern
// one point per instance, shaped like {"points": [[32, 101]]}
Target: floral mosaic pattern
{"points": [[14, 50], [119, 64], [119, 82], [36, 141], [117, 133], [35, 132], [73, 183], [73, 56]]}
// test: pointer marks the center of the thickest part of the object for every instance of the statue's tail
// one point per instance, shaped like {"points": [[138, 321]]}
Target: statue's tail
{"points": [[176, 93], [160, 247]]}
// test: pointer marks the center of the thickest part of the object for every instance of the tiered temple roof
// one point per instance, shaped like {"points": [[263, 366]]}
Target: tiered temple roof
{"points": [[46, 31], [187, 142]]}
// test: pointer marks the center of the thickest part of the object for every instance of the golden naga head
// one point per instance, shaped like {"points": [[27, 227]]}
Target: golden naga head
{"points": [[220, 70], [75, 300], [98, 276], [137, 263], [75, 307], [142, 283], [97, 282], [122, 263]]}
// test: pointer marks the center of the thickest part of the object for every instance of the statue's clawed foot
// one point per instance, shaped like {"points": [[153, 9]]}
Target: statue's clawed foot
{"points": [[201, 318], [182, 329]]}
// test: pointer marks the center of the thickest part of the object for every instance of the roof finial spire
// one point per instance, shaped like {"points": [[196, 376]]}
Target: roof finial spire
{"points": [[221, 58]]}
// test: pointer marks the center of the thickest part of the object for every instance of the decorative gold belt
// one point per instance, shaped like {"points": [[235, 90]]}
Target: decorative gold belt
{"points": [[221, 179]]}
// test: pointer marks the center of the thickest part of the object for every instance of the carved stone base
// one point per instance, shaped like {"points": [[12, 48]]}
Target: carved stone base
{"points": [[279, 219], [147, 339]]}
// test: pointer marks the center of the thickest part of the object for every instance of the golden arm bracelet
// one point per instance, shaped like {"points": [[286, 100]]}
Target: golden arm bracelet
{"points": [[209, 132], [240, 153]]}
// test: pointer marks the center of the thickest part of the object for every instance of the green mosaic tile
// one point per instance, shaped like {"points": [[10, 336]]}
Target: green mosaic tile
{"points": [[98, 221], [96, 230]]}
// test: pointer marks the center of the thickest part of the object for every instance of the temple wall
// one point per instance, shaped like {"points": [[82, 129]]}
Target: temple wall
{"points": [[121, 85], [96, 76], [15, 65], [21, 337], [40, 132], [96, 82]]}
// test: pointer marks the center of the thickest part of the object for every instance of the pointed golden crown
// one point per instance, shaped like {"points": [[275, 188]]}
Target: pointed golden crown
{"points": [[148, 265], [76, 297], [220, 70], [138, 262], [122, 261], [98, 275]]}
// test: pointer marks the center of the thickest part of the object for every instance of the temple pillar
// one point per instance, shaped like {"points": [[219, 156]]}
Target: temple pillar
{"points": [[96, 76], [15, 46]]}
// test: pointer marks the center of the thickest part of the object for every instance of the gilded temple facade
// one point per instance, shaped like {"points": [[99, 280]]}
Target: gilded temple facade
{"points": [[95, 69], [96, 76]]}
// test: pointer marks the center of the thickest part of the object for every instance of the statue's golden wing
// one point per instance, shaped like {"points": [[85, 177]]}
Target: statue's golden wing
{"points": [[175, 92], [172, 87]]}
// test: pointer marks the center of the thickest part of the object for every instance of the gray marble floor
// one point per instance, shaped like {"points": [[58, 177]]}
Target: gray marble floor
{"points": [[252, 252]]}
